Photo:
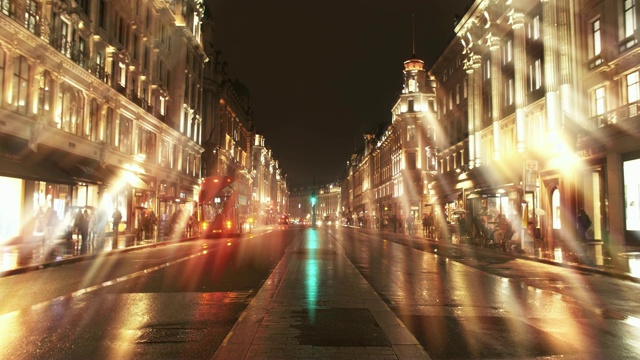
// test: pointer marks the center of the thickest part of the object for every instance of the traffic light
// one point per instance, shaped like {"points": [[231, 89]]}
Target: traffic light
{"points": [[313, 199]]}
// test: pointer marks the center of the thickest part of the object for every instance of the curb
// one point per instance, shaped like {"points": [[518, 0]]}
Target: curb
{"points": [[79, 258], [591, 269]]}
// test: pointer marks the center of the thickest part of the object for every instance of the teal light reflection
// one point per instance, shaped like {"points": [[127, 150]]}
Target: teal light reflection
{"points": [[312, 275]]}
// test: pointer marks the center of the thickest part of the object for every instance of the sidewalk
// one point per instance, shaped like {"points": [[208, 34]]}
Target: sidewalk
{"points": [[37, 254], [316, 305], [626, 264]]}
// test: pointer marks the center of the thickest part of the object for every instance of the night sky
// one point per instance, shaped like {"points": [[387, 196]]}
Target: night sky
{"points": [[321, 73]]}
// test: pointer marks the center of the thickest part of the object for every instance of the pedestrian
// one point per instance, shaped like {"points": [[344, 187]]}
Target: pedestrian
{"points": [[91, 218], [462, 226], [150, 223], [410, 225], [49, 236], [583, 223], [82, 226], [430, 224], [116, 218], [424, 225]]}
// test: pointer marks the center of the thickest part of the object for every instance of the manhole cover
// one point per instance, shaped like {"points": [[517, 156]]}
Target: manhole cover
{"points": [[164, 335], [339, 327], [484, 337]]}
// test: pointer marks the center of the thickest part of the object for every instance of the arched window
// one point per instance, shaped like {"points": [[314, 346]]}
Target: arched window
{"points": [[555, 208], [72, 110]]}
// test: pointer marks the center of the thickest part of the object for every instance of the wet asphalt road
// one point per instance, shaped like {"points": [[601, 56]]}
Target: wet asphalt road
{"points": [[181, 300], [467, 303], [172, 302]]}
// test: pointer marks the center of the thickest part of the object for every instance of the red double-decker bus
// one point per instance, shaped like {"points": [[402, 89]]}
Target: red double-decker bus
{"points": [[223, 206]]}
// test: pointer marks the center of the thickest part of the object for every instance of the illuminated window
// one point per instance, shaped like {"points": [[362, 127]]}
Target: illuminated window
{"points": [[21, 91], [487, 69], [412, 84], [507, 52], [72, 110], [66, 39], [125, 133], [411, 133], [599, 104], [146, 143], [163, 103], [535, 75], [122, 79], [44, 93], [31, 17], [633, 87], [595, 38], [631, 170], [6, 7], [165, 153], [100, 62], [629, 17], [556, 210], [464, 88], [534, 29], [508, 92]]}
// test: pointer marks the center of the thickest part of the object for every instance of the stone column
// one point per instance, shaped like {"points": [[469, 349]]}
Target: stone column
{"points": [[470, 115], [56, 104], [520, 76], [34, 78], [9, 53], [496, 93], [550, 70], [477, 107]]}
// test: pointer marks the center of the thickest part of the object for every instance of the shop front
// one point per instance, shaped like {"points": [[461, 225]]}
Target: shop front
{"points": [[496, 194], [35, 193]]}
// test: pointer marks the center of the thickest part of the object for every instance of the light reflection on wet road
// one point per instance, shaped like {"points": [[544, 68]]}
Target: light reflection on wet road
{"points": [[177, 301], [480, 305]]}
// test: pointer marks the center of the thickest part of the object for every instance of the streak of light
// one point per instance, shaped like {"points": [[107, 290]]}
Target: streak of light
{"points": [[11, 332], [634, 266], [106, 283], [633, 321]]}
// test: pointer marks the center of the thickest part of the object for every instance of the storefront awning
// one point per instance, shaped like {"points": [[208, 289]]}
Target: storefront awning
{"points": [[34, 169], [495, 176], [445, 198], [18, 161], [121, 176]]}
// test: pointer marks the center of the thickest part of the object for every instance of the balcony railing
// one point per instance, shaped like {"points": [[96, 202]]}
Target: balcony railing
{"points": [[100, 72], [615, 116], [70, 49], [30, 17]]}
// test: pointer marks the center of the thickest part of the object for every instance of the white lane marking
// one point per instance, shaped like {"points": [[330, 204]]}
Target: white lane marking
{"points": [[106, 283]]}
